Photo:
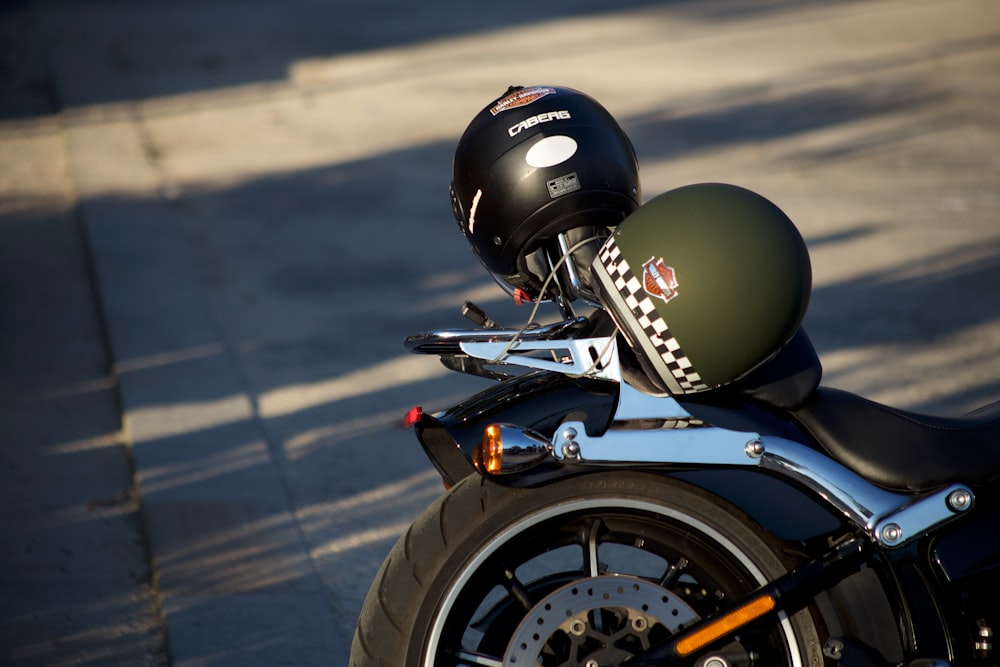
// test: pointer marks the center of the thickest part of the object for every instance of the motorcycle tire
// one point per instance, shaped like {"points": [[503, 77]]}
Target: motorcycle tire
{"points": [[587, 571]]}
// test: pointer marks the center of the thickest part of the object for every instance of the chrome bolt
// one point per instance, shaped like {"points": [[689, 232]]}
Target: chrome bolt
{"points": [[959, 500], [577, 628], [716, 661], [571, 450], [891, 533], [639, 624], [754, 449], [592, 663]]}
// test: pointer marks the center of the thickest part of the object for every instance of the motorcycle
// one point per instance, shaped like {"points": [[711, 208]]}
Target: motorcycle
{"points": [[589, 522], [608, 503]]}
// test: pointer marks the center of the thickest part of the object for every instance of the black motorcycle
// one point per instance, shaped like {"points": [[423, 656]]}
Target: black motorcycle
{"points": [[593, 519], [590, 523]]}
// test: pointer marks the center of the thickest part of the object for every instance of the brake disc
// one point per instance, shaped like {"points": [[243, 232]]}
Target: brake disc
{"points": [[596, 622]]}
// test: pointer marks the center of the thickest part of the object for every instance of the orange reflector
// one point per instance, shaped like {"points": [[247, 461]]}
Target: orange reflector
{"points": [[491, 449], [725, 624]]}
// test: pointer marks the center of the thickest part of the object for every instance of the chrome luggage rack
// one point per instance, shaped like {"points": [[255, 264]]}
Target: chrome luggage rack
{"points": [[559, 347]]}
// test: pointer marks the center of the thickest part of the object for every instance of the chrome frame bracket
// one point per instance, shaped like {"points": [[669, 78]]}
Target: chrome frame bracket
{"points": [[924, 514], [891, 519]]}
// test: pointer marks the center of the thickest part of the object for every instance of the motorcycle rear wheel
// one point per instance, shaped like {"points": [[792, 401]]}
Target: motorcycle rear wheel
{"points": [[587, 571]]}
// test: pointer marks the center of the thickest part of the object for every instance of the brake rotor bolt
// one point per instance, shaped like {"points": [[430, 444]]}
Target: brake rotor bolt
{"points": [[959, 500], [716, 662], [638, 623], [754, 449], [891, 533], [577, 628]]}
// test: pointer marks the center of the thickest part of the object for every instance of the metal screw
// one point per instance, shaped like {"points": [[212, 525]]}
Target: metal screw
{"points": [[959, 500], [571, 450], [754, 449], [716, 661], [592, 663], [891, 533], [577, 628], [569, 433]]}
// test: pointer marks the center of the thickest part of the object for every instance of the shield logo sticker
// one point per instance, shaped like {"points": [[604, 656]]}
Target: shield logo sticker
{"points": [[659, 280]]}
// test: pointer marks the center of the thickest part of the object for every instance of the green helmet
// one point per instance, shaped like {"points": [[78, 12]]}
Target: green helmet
{"points": [[706, 282]]}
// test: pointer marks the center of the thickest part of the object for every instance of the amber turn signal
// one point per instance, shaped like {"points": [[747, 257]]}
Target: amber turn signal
{"points": [[506, 449], [491, 449]]}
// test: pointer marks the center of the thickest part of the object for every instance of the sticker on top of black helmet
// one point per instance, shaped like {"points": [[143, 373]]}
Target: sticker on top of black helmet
{"points": [[659, 280], [550, 151], [563, 185], [520, 98]]}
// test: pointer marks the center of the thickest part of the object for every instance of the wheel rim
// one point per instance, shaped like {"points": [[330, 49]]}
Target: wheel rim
{"points": [[482, 617]]}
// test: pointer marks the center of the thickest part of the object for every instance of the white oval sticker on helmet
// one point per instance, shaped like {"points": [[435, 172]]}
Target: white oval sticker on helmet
{"points": [[550, 151]]}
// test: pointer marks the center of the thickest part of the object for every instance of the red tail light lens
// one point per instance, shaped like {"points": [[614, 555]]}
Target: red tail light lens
{"points": [[413, 416]]}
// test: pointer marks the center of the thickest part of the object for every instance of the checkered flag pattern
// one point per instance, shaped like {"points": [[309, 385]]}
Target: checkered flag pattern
{"points": [[639, 303]]}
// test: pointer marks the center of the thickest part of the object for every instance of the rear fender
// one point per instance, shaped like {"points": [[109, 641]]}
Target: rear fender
{"points": [[538, 400], [542, 401]]}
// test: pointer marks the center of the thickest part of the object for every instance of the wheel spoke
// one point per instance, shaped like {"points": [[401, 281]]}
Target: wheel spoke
{"points": [[674, 571], [516, 589], [591, 565]]}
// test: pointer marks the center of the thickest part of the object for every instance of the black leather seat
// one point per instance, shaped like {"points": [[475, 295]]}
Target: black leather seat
{"points": [[902, 450]]}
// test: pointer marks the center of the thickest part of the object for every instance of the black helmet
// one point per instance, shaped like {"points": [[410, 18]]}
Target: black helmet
{"points": [[706, 282], [539, 162]]}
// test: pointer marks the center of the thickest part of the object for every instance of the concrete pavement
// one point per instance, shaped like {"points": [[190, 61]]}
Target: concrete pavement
{"points": [[219, 220]]}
